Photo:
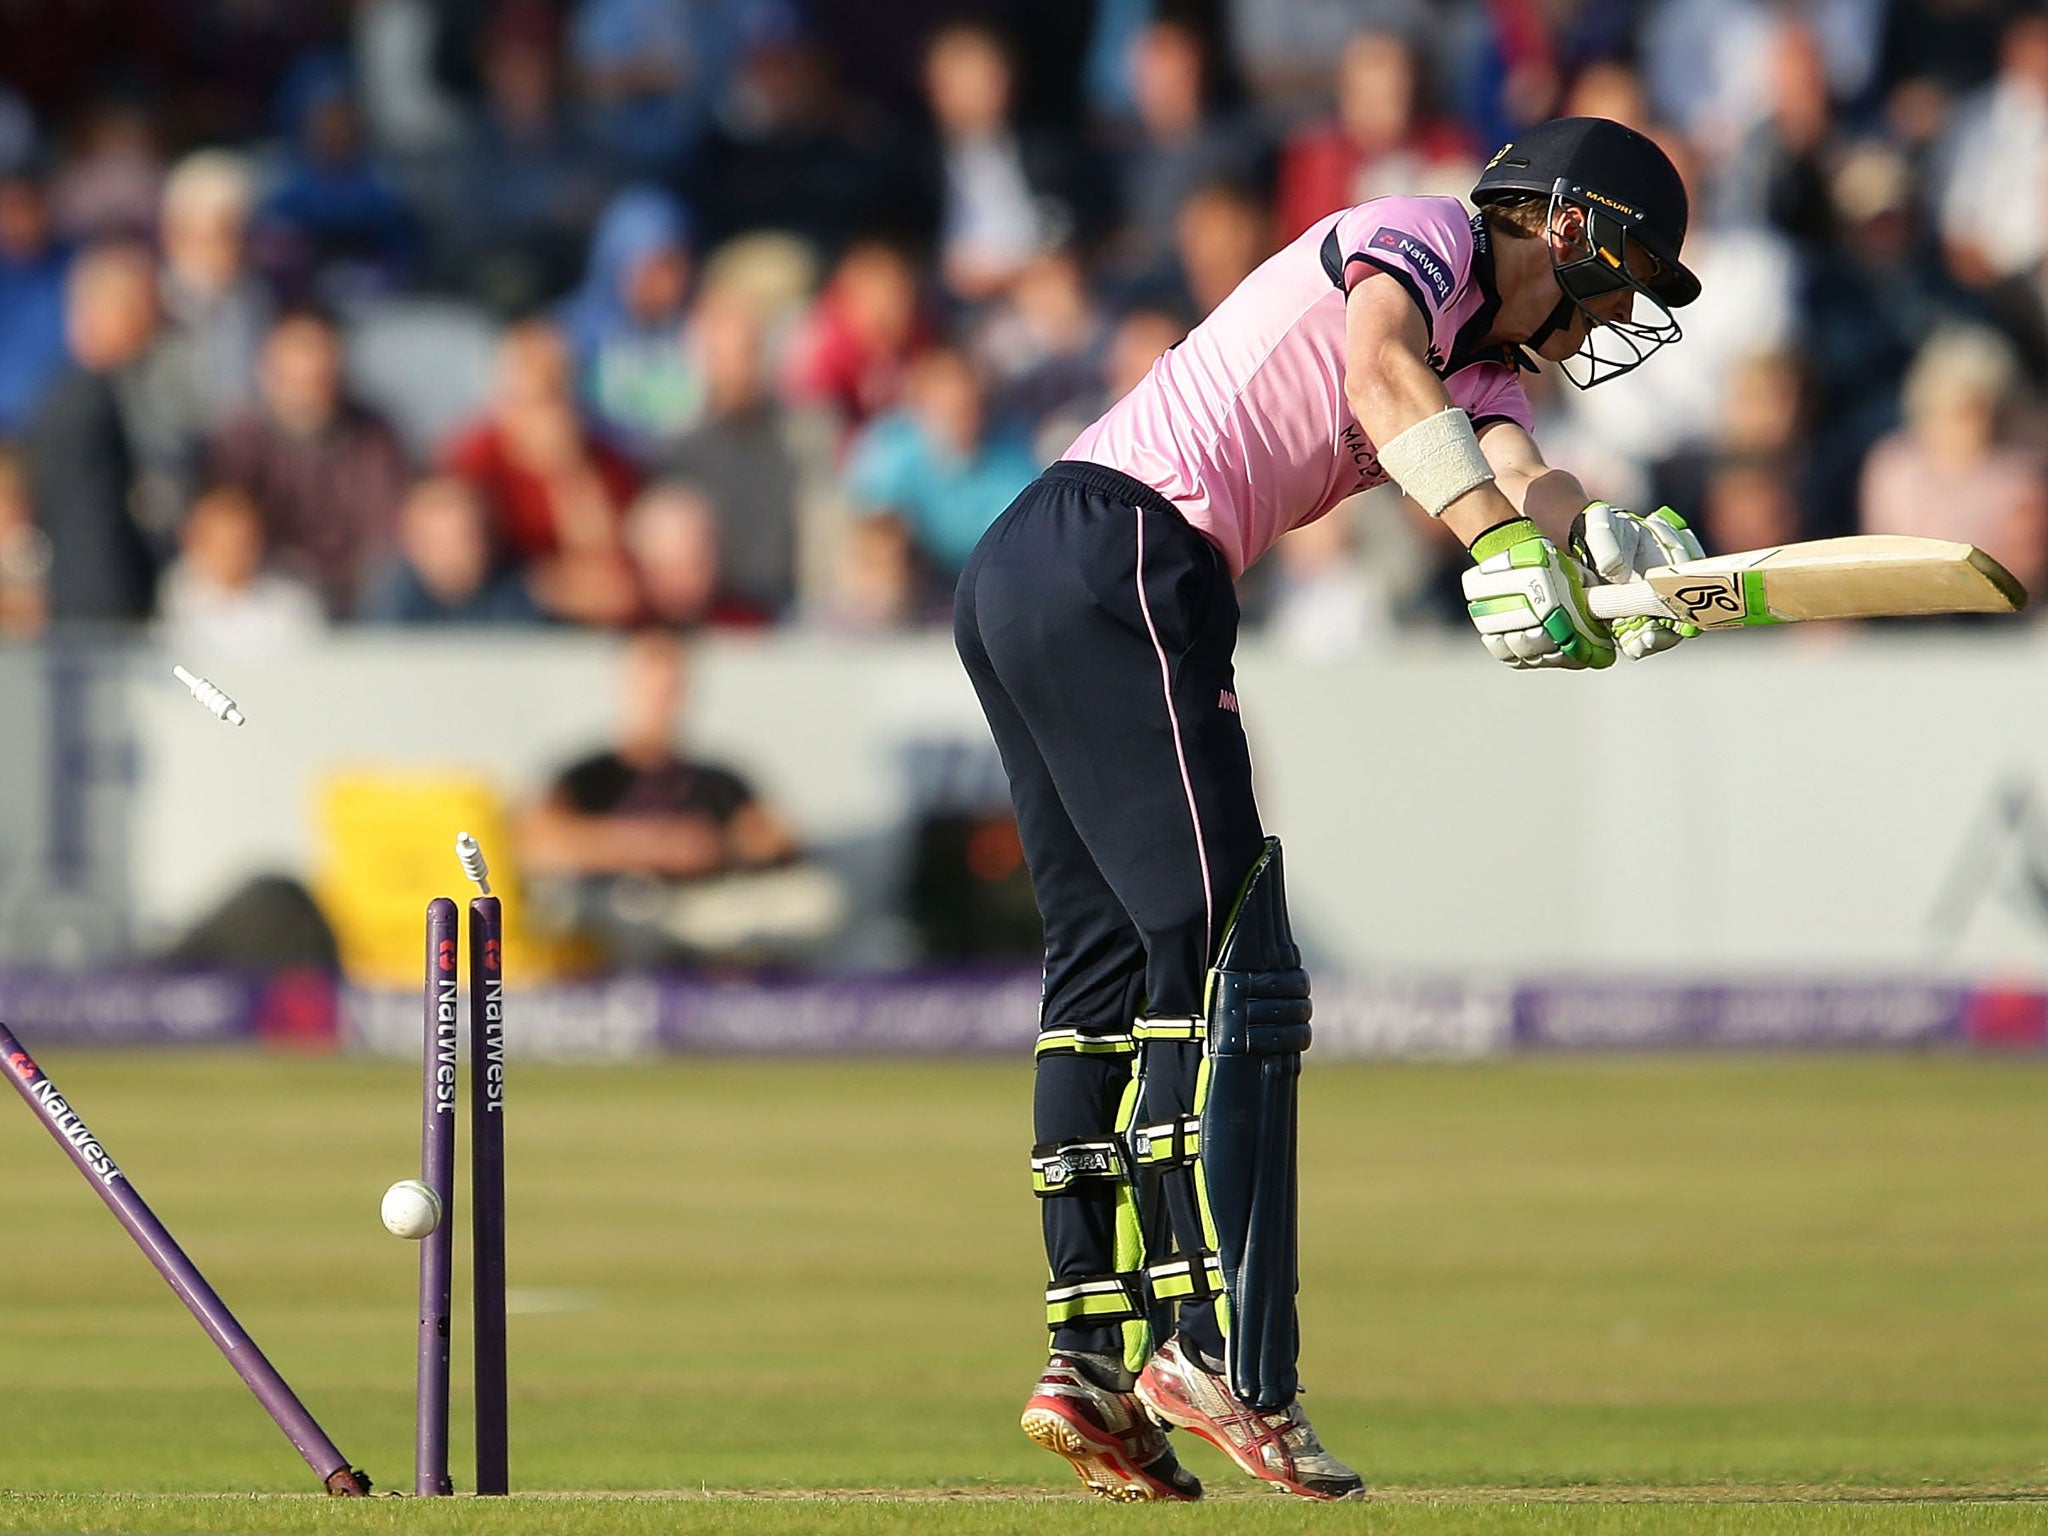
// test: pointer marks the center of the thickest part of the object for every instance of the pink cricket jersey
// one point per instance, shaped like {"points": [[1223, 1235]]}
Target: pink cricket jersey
{"points": [[1244, 425]]}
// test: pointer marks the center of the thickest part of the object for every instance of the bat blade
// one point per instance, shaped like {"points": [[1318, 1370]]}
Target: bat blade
{"points": [[1866, 576]]}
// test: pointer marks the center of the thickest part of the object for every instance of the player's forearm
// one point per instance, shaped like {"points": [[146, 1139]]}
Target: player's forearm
{"points": [[1550, 499]]}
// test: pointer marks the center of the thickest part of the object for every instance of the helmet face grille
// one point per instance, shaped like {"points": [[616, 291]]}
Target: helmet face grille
{"points": [[1618, 347], [1611, 347]]}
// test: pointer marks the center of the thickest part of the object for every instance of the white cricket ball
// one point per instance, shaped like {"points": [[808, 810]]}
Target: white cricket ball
{"points": [[411, 1209]]}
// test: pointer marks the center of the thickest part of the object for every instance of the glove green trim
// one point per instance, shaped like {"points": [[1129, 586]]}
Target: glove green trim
{"points": [[1486, 606], [1502, 537]]}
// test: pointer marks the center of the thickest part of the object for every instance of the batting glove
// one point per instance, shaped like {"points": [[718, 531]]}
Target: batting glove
{"points": [[1528, 602], [1621, 546]]}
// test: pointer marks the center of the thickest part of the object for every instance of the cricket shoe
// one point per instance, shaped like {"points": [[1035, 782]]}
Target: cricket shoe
{"points": [[1116, 1451], [1280, 1447]]}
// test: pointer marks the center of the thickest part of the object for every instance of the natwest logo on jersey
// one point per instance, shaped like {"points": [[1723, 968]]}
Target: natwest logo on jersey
{"points": [[1427, 265]]}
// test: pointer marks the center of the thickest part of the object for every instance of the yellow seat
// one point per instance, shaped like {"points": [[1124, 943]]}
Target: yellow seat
{"points": [[385, 847]]}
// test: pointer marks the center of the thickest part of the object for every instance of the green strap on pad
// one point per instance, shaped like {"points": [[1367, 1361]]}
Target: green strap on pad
{"points": [[1109, 1300], [1059, 1167], [1184, 1277], [1172, 1143], [1100, 1165], [1072, 1042]]}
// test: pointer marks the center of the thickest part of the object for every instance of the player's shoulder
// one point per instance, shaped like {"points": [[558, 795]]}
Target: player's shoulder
{"points": [[1444, 223], [1427, 239]]}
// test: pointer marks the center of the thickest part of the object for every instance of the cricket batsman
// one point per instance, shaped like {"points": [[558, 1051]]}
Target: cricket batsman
{"points": [[1097, 619]]}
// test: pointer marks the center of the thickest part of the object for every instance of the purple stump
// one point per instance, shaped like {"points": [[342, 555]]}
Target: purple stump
{"points": [[487, 1185], [440, 1054], [161, 1249]]}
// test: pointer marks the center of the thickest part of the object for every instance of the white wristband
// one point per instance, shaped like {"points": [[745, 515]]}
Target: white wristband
{"points": [[1437, 460]]}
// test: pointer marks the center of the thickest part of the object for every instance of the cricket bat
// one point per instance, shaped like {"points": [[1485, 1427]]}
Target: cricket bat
{"points": [[1865, 577]]}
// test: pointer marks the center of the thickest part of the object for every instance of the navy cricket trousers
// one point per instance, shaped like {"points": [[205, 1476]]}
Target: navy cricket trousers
{"points": [[1098, 628]]}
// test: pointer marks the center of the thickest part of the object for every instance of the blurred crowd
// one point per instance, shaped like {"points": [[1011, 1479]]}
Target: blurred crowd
{"points": [[756, 312]]}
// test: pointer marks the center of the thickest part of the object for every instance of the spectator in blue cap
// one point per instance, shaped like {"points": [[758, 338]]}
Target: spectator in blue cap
{"points": [[625, 323]]}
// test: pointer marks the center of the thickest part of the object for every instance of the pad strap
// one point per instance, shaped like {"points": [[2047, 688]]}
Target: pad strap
{"points": [[1171, 1144], [1171, 1029], [1185, 1277], [1072, 1042], [1105, 1299], [1057, 1167]]}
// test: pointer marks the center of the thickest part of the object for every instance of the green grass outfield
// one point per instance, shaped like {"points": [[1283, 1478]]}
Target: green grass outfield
{"points": [[1673, 1294]]}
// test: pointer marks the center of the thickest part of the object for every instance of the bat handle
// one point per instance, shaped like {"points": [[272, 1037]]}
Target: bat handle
{"points": [[1627, 599]]}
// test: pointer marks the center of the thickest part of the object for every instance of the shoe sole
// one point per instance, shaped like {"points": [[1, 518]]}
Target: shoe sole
{"points": [[1098, 1462], [1204, 1429]]}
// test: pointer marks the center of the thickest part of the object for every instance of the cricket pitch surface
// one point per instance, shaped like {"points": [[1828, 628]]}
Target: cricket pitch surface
{"points": [[1577, 1294]]}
